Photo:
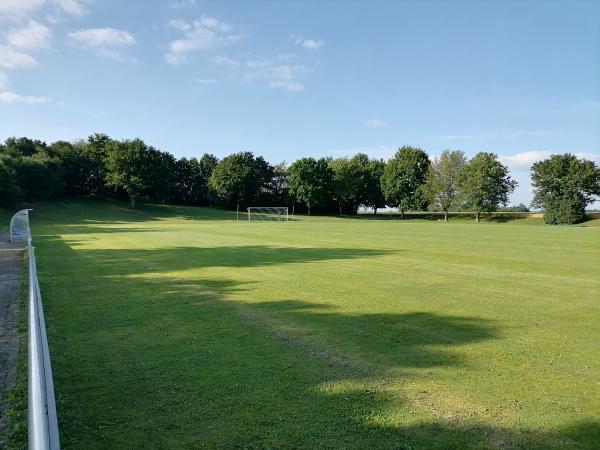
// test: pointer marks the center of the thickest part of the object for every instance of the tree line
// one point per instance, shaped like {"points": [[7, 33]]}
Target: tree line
{"points": [[31, 170]]}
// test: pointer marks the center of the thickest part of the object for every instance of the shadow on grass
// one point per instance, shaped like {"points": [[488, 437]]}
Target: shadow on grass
{"points": [[82, 212], [142, 359]]}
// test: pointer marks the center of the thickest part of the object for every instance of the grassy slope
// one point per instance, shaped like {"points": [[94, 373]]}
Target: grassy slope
{"points": [[177, 327]]}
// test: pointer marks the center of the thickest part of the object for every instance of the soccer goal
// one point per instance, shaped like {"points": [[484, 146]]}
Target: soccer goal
{"points": [[272, 213]]}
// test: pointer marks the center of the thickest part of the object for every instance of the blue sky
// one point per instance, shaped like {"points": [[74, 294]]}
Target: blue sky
{"points": [[287, 79]]}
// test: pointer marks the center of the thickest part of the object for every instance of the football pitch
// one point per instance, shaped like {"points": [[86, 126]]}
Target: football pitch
{"points": [[175, 327]]}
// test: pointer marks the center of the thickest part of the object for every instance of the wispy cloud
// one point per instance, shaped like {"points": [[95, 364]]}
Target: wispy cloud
{"points": [[524, 160], [374, 123], [310, 44], [11, 97], [277, 76], [497, 135], [206, 33], [34, 36], [72, 7], [11, 58], [105, 42], [276, 73], [18, 9]]}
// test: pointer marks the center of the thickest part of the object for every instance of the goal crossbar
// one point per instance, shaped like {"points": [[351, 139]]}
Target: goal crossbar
{"points": [[268, 213]]}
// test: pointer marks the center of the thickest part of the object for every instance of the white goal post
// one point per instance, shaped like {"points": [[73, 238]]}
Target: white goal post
{"points": [[268, 213]]}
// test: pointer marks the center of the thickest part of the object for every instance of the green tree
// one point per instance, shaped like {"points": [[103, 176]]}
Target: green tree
{"points": [[188, 183], [371, 195], [403, 179], [485, 183], [137, 168], [240, 179], [443, 176], [10, 193], [160, 168], [348, 181], [310, 181], [23, 146], [76, 166], [278, 192], [95, 151], [190, 180], [39, 176], [517, 208], [563, 186]]}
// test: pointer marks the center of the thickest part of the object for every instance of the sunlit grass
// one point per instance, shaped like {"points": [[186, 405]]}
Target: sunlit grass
{"points": [[176, 327]]}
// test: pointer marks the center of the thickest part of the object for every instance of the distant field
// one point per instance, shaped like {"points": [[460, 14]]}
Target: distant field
{"points": [[176, 327]]}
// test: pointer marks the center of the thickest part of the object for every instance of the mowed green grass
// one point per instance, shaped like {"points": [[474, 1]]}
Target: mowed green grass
{"points": [[175, 327]]}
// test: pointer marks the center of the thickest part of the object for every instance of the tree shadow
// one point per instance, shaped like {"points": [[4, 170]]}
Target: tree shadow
{"points": [[143, 358], [82, 212]]}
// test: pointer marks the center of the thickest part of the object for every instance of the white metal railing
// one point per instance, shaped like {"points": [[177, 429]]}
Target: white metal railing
{"points": [[41, 415]]}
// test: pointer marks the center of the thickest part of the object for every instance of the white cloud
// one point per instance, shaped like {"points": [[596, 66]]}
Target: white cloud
{"points": [[213, 24], [17, 9], [73, 7], [590, 156], [105, 42], [35, 35], [179, 24], [310, 44], [11, 97], [206, 33], [275, 75], [99, 37], [3, 81], [374, 123], [523, 160], [11, 58]]}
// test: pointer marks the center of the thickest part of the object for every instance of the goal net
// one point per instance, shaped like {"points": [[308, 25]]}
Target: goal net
{"points": [[272, 213]]}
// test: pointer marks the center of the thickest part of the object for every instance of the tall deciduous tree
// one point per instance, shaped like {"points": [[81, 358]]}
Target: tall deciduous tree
{"points": [[240, 179], [371, 192], [443, 177], [10, 193], [38, 173], [485, 183], [137, 168], [96, 152], [277, 189], [563, 186], [310, 181], [190, 181], [348, 180], [76, 166], [403, 179]]}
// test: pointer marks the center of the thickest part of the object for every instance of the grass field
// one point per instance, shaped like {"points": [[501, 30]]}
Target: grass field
{"points": [[181, 328]]}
